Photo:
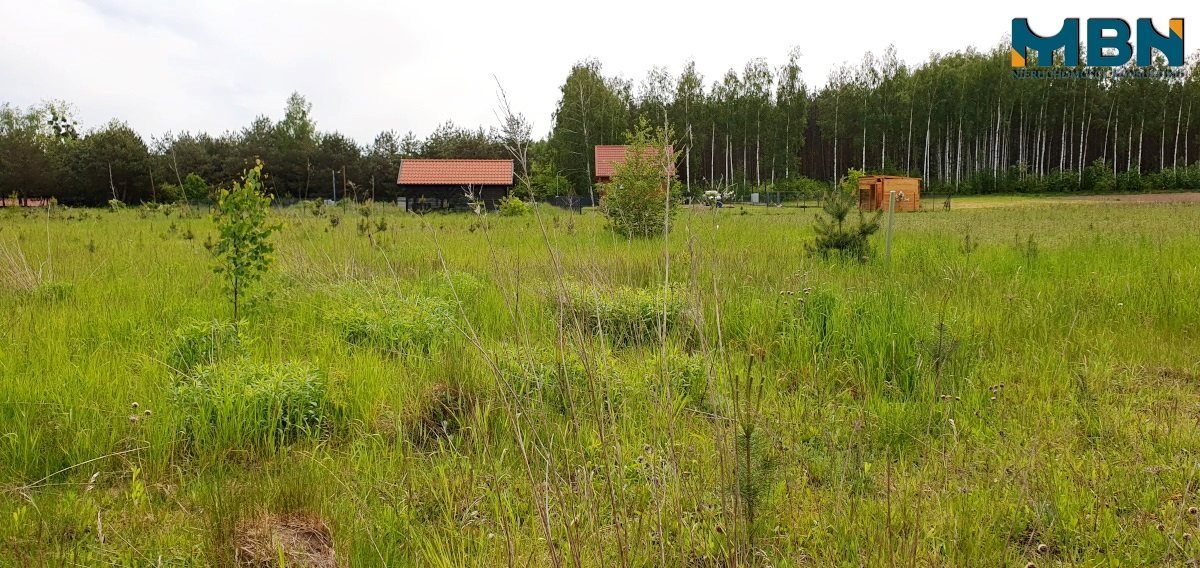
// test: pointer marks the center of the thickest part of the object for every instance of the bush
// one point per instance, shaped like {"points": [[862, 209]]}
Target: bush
{"points": [[513, 206], [687, 376], [1098, 177], [560, 383], [240, 403], [393, 324], [625, 315], [837, 237], [203, 343], [803, 187], [639, 198]]}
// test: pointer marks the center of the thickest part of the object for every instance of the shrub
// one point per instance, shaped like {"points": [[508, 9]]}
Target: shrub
{"points": [[203, 343], [115, 204], [687, 376], [559, 382], [243, 250], [1098, 177], [803, 187], [239, 403], [625, 315], [397, 325], [513, 206], [639, 198], [834, 234]]}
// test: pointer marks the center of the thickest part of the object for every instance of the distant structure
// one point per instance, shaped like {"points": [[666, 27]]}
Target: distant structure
{"points": [[873, 193], [24, 202], [609, 156], [445, 184]]}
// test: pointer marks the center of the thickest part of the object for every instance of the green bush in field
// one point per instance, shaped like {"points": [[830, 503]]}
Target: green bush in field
{"points": [[243, 249], [203, 343], [641, 195], [513, 206], [835, 235], [687, 376], [626, 315], [394, 324], [238, 403], [562, 383]]}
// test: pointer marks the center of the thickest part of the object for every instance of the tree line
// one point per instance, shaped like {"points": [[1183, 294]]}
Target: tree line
{"points": [[962, 121]]}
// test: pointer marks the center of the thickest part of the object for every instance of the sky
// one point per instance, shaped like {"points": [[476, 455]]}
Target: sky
{"points": [[373, 65]]}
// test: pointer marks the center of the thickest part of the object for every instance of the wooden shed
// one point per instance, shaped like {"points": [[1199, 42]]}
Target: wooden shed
{"points": [[873, 193]]}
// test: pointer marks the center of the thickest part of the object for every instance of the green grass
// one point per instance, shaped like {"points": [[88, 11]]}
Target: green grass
{"points": [[481, 391]]}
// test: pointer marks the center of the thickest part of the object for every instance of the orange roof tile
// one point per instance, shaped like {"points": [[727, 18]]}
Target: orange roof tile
{"points": [[606, 156], [455, 172]]}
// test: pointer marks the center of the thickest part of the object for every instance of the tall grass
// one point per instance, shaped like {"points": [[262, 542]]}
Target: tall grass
{"points": [[467, 390]]}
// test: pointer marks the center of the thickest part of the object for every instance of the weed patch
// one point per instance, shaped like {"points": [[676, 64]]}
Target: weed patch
{"points": [[239, 403], [391, 323], [203, 343], [626, 316]]}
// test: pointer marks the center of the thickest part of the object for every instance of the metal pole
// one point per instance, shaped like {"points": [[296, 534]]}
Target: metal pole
{"points": [[887, 250]]}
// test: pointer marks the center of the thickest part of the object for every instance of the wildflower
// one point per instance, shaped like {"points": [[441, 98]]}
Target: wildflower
{"points": [[147, 412], [1187, 536], [134, 405], [1191, 510], [133, 418], [1042, 548]]}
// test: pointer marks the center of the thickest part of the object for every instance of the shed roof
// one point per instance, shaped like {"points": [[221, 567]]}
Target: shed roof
{"points": [[455, 172], [606, 156]]}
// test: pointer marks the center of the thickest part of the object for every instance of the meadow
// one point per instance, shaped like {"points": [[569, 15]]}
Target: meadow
{"points": [[1014, 386]]}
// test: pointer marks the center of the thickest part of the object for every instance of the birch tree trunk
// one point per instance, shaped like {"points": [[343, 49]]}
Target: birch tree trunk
{"points": [[908, 152], [1175, 150]]}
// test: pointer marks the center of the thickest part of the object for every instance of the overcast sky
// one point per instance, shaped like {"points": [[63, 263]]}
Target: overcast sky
{"points": [[372, 65]]}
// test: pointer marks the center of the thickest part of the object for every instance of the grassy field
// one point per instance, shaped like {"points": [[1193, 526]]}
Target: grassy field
{"points": [[1017, 385]]}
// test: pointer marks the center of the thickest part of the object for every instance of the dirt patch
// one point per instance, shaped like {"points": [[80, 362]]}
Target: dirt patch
{"points": [[1193, 197], [440, 415], [302, 540], [989, 202]]}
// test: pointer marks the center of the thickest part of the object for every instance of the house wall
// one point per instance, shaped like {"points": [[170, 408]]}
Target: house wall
{"points": [[446, 197]]}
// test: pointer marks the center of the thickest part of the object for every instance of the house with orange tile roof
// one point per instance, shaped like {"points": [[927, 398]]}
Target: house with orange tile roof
{"points": [[427, 184], [608, 156]]}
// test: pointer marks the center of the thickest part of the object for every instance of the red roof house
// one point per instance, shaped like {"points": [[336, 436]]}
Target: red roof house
{"points": [[444, 184], [608, 156]]}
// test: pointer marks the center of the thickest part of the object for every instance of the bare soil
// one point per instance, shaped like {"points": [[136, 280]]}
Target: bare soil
{"points": [[1192, 197], [304, 541]]}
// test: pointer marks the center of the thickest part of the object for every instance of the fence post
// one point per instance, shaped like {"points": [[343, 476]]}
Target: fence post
{"points": [[887, 248]]}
